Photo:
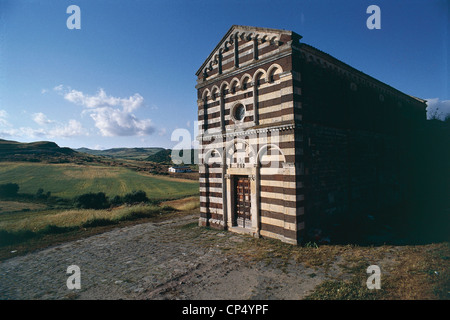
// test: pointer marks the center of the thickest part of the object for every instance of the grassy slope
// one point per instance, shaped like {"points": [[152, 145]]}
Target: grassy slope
{"points": [[123, 153], [31, 231], [69, 180]]}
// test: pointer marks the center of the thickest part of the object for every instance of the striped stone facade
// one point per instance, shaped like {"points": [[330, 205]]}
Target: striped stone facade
{"points": [[255, 144]]}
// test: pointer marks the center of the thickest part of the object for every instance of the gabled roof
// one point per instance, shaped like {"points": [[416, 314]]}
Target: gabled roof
{"points": [[381, 84], [265, 34]]}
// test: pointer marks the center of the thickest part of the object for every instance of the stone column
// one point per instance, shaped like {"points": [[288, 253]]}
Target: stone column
{"points": [[258, 199], [236, 51], [205, 115], [255, 103], [208, 209], [224, 194], [204, 221], [255, 48], [227, 201], [222, 111], [220, 63]]}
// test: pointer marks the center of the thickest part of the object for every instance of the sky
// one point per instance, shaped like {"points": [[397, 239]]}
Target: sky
{"points": [[126, 77]]}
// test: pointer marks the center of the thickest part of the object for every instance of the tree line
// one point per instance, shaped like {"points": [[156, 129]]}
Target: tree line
{"points": [[99, 200], [89, 200]]}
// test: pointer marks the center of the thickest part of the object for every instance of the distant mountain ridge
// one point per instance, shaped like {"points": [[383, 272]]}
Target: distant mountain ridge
{"points": [[50, 152], [124, 153], [165, 156], [162, 156], [8, 147]]}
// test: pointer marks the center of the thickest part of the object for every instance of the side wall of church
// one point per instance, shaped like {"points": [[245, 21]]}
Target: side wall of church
{"points": [[358, 142]]}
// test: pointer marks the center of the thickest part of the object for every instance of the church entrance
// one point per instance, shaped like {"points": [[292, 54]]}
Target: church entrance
{"points": [[242, 202]]}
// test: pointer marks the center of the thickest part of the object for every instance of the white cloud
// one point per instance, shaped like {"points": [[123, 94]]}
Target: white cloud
{"points": [[49, 128], [72, 128], [98, 147], [5, 127], [23, 132], [57, 129], [41, 119], [59, 88], [113, 116], [3, 121], [101, 99], [438, 108], [30, 132], [114, 122]]}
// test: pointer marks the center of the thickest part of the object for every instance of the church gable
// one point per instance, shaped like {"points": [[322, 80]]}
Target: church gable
{"points": [[241, 46]]}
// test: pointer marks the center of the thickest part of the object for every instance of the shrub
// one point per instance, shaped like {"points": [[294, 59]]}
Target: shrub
{"points": [[116, 201], [52, 229], [98, 223], [92, 201], [12, 237], [9, 189], [135, 197], [41, 195]]}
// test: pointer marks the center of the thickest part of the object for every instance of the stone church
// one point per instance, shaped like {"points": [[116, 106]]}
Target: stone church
{"points": [[295, 143]]}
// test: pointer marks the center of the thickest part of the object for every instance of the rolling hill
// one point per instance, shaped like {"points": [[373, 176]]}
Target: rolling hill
{"points": [[152, 160], [8, 147], [165, 156], [40, 151], [162, 156], [123, 153], [47, 151]]}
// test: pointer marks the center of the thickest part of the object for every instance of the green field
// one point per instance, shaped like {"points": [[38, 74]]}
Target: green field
{"points": [[70, 180]]}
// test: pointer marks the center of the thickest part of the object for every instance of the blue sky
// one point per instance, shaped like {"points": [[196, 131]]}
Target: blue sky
{"points": [[127, 77]]}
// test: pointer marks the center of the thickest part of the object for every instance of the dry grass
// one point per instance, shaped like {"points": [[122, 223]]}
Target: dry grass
{"points": [[422, 272], [412, 272], [75, 218], [21, 227], [13, 206], [71, 171], [185, 204]]}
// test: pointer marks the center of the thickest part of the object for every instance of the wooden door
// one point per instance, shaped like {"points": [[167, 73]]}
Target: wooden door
{"points": [[242, 214]]}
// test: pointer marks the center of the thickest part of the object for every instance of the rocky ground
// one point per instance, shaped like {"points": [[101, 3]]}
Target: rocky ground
{"points": [[173, 259]]}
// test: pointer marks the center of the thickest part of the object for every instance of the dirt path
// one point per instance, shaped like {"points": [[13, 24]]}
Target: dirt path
{"points": [[173, 259], [169, 260]]}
